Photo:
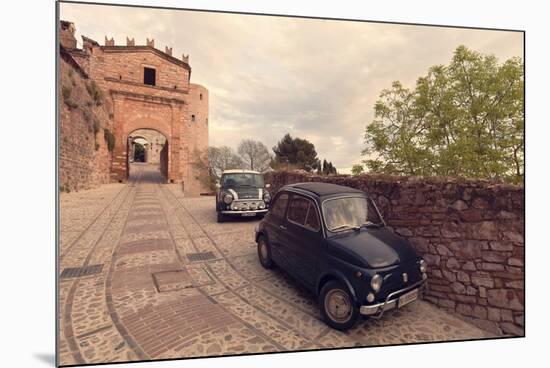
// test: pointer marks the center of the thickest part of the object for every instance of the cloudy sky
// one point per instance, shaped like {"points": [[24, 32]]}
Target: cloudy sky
{"points": [[315, 79]]}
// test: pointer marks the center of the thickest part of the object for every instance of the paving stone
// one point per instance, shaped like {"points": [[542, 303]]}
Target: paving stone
{"points": [[150, 302]]}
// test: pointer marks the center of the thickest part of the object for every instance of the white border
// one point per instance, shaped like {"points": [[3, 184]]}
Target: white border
{"points": [[27, 181]]}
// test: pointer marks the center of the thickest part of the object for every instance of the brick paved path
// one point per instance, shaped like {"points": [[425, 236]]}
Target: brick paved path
{"points": [[154, 276]]}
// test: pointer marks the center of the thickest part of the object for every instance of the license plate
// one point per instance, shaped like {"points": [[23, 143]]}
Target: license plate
{"points": [[405, 299], [249, 214]]}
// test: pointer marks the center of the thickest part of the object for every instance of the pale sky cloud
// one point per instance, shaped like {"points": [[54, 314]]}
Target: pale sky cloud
{"points": [[315, 79]]}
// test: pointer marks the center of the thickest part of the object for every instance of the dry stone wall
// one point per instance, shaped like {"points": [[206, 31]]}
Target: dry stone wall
{"points": [[471, 233]]}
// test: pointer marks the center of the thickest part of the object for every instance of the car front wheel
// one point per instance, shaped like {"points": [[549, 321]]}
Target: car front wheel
{"points": [[337, 306], [221, 217], [264, 253]]}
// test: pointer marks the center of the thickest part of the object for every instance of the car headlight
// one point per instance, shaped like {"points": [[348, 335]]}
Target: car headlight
{"points": [[376, 282], [227, 198], [423, 266], [267, 197]]}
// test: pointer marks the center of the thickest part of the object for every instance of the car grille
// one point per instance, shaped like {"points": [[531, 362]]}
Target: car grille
{"points": [[393, 280], [247, 205], [248, 193]]}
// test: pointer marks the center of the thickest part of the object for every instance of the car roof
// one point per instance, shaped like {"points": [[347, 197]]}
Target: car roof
{"points": [[240, 172], [323, 189]]}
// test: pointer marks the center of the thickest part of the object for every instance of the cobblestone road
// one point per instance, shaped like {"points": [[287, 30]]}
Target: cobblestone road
{"points": [[149, 274]]}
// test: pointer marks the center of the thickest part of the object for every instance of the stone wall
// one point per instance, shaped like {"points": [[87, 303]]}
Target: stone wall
{"points": [[471, 233], [84, 159]]}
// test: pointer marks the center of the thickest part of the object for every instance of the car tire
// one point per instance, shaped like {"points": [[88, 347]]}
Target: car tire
{"points": [[264, 253], [337, 306], [221, 217]]}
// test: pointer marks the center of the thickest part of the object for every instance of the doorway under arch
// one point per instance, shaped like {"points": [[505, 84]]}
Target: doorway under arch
{"points": [[147, 147]]}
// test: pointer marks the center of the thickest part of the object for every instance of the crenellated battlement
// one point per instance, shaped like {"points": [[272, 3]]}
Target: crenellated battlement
{"points": [[129, 43]]}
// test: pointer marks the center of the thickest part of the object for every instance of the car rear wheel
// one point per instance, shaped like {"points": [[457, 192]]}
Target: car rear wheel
{"points": [[337, 306], [264, 253]]}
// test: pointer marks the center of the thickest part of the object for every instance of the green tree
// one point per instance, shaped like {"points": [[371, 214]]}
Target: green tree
{"points": [[462, 119], [327, 168], [295, 152], [357, 169]]}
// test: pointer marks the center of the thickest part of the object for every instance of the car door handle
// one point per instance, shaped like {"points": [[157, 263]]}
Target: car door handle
{"points": [[283, 227]]}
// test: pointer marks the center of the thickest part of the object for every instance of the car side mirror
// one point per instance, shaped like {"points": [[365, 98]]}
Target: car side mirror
{"points": [[268, 186], [218, 185]]}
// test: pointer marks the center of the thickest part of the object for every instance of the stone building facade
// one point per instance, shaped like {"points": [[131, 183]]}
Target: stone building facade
{"points": [[148, 89]]}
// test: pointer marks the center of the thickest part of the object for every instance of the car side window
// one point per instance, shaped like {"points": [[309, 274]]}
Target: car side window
{"points": [[312, 220], [297, 211], [302, 211], [278, 208]]}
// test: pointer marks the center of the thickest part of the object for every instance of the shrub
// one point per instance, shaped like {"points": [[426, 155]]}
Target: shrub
{"points": [[97, 126], [110, 139], [72, 105], [86, 115], [66, 92], [95, 92]]}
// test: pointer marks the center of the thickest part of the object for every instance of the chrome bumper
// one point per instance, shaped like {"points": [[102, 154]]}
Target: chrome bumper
{"points": [[231, 212], [377, 310]]}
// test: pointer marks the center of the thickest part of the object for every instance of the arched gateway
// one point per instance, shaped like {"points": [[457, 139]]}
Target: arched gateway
{"points": [[151, 89]]}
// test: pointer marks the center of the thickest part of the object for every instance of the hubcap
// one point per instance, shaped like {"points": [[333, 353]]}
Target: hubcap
{"points": [[338, 306], [263, 250]]}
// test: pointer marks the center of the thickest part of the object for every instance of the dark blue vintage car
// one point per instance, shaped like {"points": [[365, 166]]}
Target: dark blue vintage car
{"points": [[334, 241]]}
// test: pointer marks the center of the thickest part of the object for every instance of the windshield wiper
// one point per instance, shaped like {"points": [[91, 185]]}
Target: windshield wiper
{"points": [[341, 228], [371, 224]]}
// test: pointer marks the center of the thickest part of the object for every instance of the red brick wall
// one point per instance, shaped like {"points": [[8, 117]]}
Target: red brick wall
{"points": [[198, 136], [127, 64], [81, 164], [166, 107], [471, 233]]}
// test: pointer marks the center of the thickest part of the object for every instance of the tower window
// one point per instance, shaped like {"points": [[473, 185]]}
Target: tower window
{"points": [[200, 96], [149, 76], [192, 117]]}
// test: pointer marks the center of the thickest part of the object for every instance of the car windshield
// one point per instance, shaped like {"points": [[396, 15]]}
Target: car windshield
{"points": [[242, 180], [351, 213]]}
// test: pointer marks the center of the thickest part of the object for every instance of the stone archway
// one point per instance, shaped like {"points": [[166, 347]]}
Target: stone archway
{"points": [[155, 153], [138, 149], [135, 112], [154, 140]]}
